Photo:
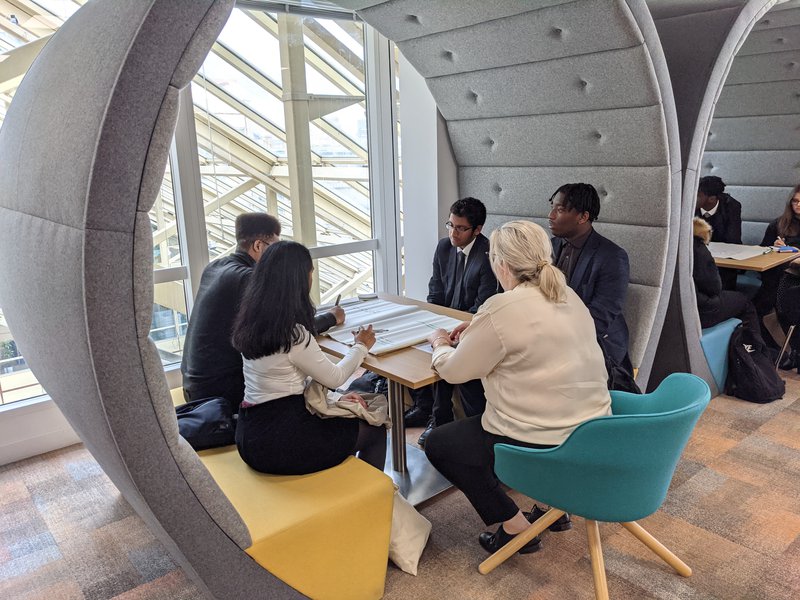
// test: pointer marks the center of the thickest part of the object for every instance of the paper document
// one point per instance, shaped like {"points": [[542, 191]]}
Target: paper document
{"points": [[735, 251], [402, 325]]}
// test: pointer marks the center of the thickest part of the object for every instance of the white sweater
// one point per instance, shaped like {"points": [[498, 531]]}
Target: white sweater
{"points": [[541, 367], [284, 374]]}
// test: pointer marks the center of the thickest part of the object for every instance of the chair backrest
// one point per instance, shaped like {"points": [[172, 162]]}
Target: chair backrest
{"points": [[615, 468]]}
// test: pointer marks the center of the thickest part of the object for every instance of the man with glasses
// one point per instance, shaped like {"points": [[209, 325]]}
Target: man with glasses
{"points": [[462, 279], [211, 367]]}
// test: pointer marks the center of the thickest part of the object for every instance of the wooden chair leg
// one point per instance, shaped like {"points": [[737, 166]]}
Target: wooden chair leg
{"points": [[658, 548], [537, 527], [598, 565]]}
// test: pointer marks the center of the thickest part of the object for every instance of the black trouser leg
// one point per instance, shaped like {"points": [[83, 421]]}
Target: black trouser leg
{"points": [[423, 398], [473, 398], [442, 403], [371, 444]]}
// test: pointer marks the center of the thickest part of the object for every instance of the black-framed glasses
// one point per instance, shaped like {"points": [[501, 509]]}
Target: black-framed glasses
{"points": [[458, 228]]}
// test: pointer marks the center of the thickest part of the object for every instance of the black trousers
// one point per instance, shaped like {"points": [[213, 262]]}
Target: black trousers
{"points": [[463, 452], [473, 400], [230, 387], [787, 306], [734, 304]]}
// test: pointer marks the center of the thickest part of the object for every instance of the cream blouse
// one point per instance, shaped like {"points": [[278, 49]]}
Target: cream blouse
{"points": [[541, 367]]}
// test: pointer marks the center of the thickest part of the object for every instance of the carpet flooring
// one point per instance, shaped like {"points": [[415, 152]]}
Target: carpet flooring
{"points": [[733, 514]]}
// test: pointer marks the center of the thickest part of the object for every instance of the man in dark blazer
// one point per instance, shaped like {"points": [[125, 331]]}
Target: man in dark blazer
{"points": [[595, 267], [462, 279], [724, 214]]}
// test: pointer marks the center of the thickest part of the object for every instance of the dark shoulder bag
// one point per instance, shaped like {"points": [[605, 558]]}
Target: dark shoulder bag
{"points": [[207, 423]]}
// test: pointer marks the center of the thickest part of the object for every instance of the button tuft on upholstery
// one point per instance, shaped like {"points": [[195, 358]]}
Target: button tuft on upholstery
{"points": [[556, 32], [792, 65], [474, 96], [765, 22], [709, 166], [496, 188], [490, 143], [412, 19], [597, 135], [583, 83], [448, 55], [780, 41]]}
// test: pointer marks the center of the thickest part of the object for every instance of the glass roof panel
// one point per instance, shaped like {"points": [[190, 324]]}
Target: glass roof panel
{"points": [[254, 44]]}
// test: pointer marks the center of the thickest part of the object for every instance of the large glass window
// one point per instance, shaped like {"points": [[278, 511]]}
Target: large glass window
{"points": [[250, 160]]}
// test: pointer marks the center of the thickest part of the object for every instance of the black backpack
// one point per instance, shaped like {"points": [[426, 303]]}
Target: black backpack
{"points": [[751, 373]]}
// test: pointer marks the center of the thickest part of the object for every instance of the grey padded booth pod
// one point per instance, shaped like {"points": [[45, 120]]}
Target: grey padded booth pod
{"points": [[541, 93], [83, 150], [735, 70]]}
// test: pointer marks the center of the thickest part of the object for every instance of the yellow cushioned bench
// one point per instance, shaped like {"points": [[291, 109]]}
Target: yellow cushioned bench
{"points": [[325, 534]]}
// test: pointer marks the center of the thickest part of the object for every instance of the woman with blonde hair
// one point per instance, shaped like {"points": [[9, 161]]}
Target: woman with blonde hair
{"points": [[535, 350]]}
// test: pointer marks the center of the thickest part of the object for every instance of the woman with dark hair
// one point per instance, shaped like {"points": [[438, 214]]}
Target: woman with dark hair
{"points": [[783, 231], [274, 331]]}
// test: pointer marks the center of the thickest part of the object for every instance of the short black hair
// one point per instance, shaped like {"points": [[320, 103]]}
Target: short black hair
{"points": [[471, 209], [580, 196], [711, 185], [255, 226]]}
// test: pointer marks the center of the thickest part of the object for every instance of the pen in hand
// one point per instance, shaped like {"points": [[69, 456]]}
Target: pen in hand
{"points": [[338, 298]]}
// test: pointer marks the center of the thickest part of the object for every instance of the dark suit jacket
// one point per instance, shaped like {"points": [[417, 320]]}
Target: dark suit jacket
{"points": [[479, 280], [601, 278], [726, 223]]}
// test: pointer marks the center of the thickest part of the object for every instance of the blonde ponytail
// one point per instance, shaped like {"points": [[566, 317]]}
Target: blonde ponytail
{"points": [[524, 248]]}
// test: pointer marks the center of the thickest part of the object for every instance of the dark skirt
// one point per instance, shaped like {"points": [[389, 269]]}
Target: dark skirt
{"points": [[282, 438]]}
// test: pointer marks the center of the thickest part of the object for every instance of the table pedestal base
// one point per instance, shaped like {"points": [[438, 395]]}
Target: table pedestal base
{"points": [[421, 480]]}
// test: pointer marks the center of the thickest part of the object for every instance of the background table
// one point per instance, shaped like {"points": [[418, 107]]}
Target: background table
{"points": [[409, 367], [760, 263]]}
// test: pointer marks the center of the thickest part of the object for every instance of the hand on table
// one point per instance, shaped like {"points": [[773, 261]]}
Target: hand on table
{"points": [[779, 241], [365, 335], [338, 312], [439, 337], [455, 335]]}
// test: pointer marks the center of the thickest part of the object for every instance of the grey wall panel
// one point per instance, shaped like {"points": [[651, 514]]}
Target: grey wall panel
{"points": [[777, 66], [600, 138], [565, 30], [753, 232], [778, 39], [764, 167], [760, 203], [774, 132], [406, 19], [777, 19], [577, 83], [749, 99], [626, 193]]}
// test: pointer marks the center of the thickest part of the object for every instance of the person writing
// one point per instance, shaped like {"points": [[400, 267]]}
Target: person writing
{"points": [[274, 330], [535, 350]]}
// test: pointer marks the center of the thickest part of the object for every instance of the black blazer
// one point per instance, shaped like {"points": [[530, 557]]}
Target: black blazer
{"points": [[479, 280], [726, 223], [601, 278], [707, 283]]}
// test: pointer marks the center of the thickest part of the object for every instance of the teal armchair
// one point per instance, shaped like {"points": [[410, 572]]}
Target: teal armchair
{"points": [[616, 468]]}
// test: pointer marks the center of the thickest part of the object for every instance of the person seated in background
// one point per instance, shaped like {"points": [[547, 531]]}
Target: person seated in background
{"points": [[211, 367], [462, 279], [535, 349], [724, 214], [594, 266], [783, 231], [715, 304], [274, 330]]}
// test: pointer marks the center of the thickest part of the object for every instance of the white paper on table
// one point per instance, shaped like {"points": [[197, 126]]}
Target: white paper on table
{"points": [[405, 325], [735, 251]]}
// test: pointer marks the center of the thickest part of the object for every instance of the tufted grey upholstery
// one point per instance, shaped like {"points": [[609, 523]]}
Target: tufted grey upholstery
{"points": [[737, 93], [82, 158], [537, 94]]}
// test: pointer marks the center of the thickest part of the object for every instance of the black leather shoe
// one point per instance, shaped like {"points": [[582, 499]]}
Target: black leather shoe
{"points": [[424, 437], [564, 523], [416, 417], [492, 542]]}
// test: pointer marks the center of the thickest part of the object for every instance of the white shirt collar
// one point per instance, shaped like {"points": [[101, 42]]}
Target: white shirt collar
{"points": [[466, 249], [711, 212]]}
